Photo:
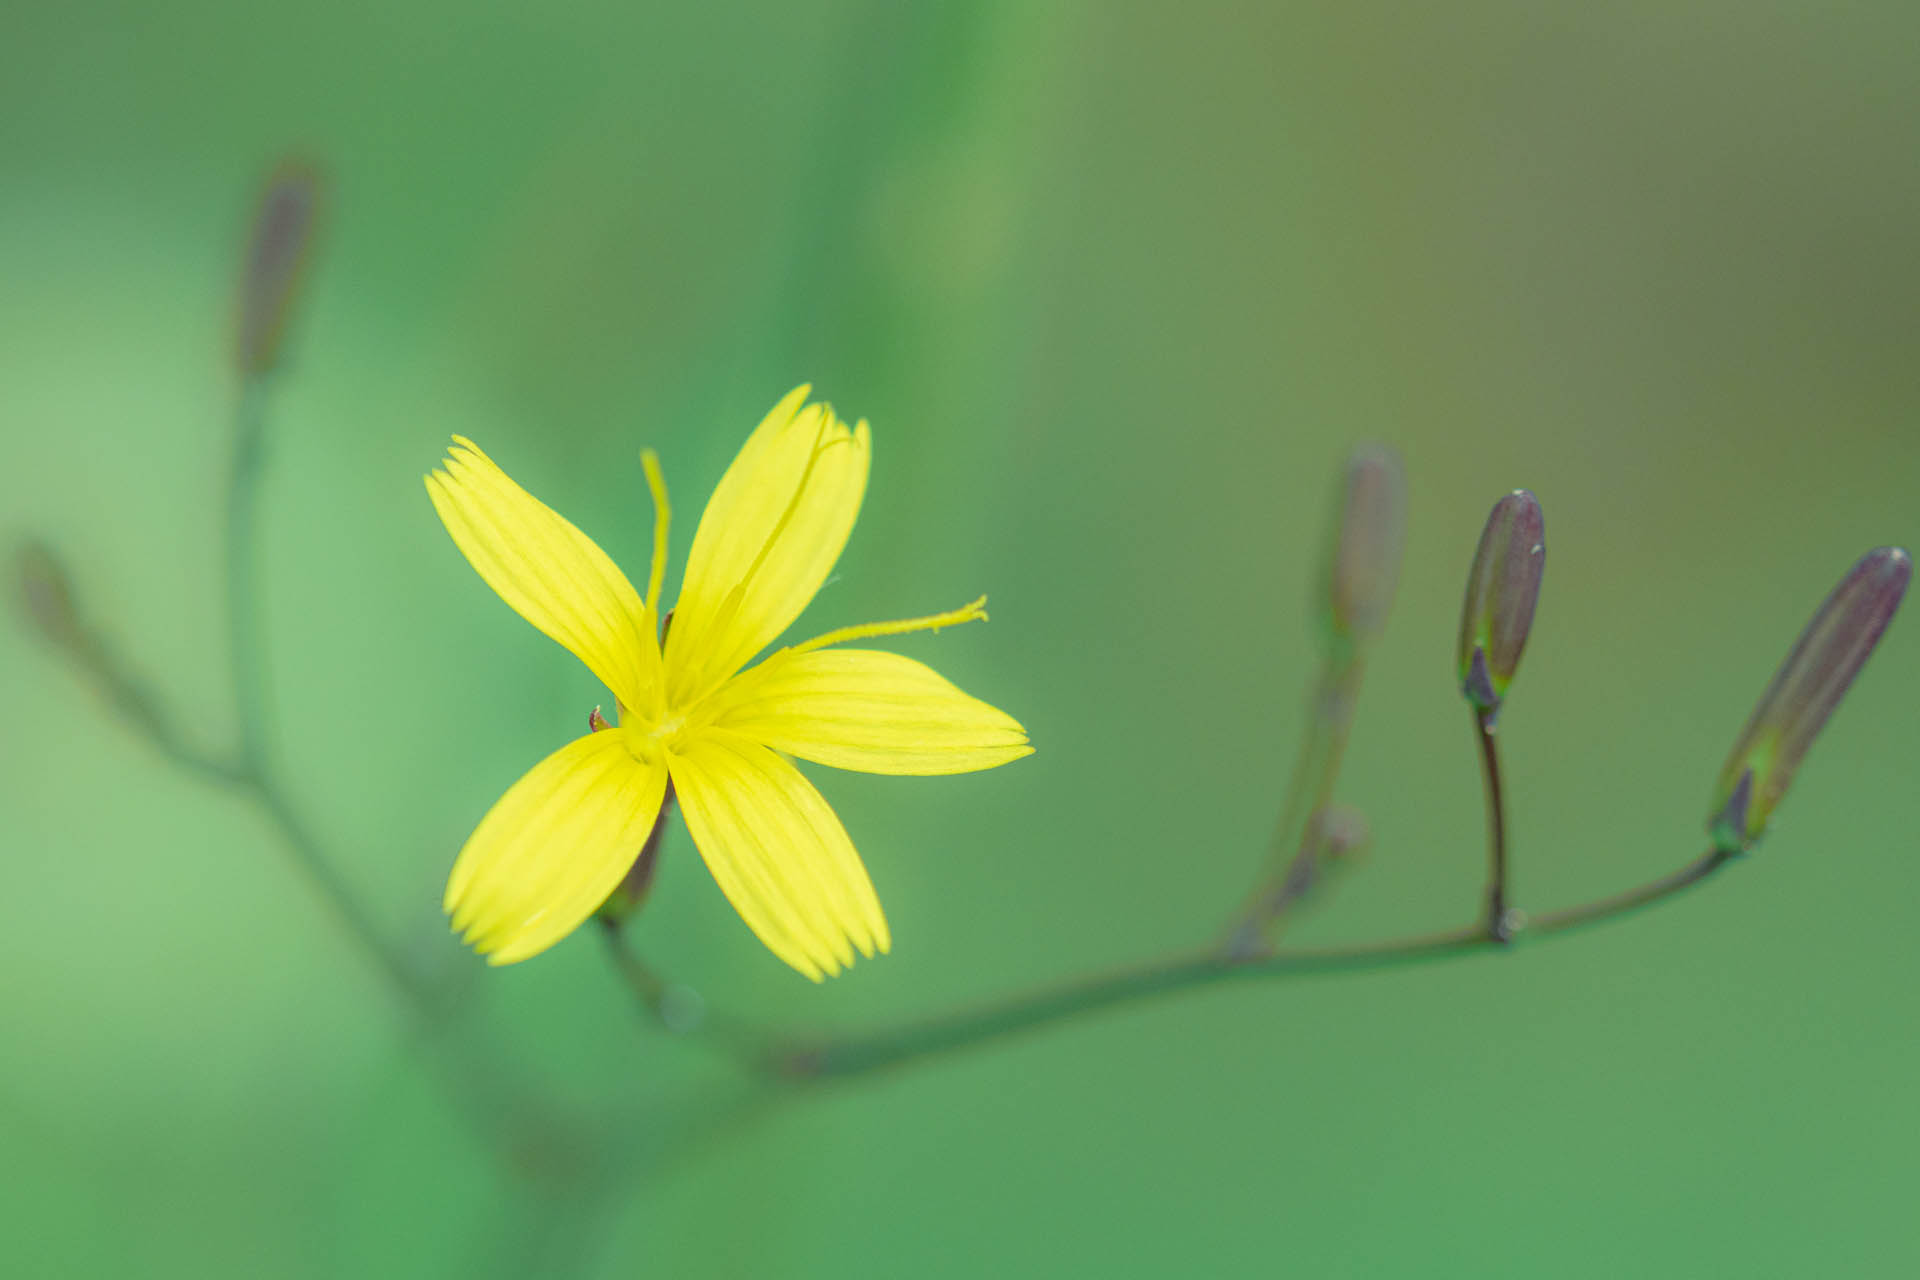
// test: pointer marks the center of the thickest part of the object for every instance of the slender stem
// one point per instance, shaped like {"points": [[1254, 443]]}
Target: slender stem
{"points": [[680, 1010], [132, 699], [1294, 855], [248, 768], [1498, 926], [502, 1116], [252, 766], [809, 1058], [324, 877], [1621, 904], [858, 1055], [243, 621], [675, 1008]]}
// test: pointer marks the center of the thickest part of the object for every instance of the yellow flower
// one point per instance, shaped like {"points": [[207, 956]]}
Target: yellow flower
{"points": [[558, 843]]}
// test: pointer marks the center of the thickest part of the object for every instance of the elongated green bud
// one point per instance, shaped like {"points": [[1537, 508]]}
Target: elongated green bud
{"points": [[1502, 588], [1370, 527], [1804, 692], [283, 235]]}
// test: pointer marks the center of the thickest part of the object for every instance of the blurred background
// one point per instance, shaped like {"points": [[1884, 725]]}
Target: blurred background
{"points": [[1117, 285]]}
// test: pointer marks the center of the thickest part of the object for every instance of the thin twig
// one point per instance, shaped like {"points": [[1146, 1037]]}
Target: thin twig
{"points": [[1499, 927], [1294, 853], [811, 1058], [132, 699], [245, 652], [680, 1010], [252, 766]]}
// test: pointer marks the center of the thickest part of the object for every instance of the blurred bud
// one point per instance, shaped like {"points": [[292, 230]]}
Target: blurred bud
{"points": [[1804, 692], [1369, 535], [1344, 833], [1502, 587], [46, 595], [596, 722], [283, 235]]}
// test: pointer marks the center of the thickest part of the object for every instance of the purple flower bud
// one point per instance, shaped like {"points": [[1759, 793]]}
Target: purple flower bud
{"points": [[283, 234], [1804, 692], [1502, 588], [1369, 536]]}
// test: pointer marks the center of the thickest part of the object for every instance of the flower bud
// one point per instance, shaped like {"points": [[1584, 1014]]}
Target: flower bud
{"points": [[1369, 536], [283, 234], [47, 596], [1343, 833], [1502, 588], [1804, 692]]}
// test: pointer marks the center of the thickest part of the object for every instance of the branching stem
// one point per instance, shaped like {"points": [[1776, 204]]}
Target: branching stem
{"points": [[801, 1057]]}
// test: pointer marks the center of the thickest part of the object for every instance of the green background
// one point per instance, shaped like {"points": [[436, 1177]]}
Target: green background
{"points": [[1117, 286]]}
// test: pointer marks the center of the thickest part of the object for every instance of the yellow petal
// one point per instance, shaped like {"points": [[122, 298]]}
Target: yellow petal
{"points": [[767, 540], [867, 710], [778, 852], [548, 854], [548, 571]]}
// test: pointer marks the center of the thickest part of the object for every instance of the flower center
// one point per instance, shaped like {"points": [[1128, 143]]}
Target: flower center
{"points": [[647, 736]]}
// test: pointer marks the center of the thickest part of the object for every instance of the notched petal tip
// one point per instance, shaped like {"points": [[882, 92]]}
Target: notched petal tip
{"points": [[767, 541], [545, 568], [778, 853], [553, 847]]}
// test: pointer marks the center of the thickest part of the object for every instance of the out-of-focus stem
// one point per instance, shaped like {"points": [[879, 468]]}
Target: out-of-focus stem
{"points": [[680, 1010], [243, 622], [1294, 855], [246, 766], [252, 766]]}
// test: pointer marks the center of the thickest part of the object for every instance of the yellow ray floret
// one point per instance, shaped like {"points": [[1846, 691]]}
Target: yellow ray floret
{"points": [[548, 854], [548, 571], [867, 710], [780, 855]]}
